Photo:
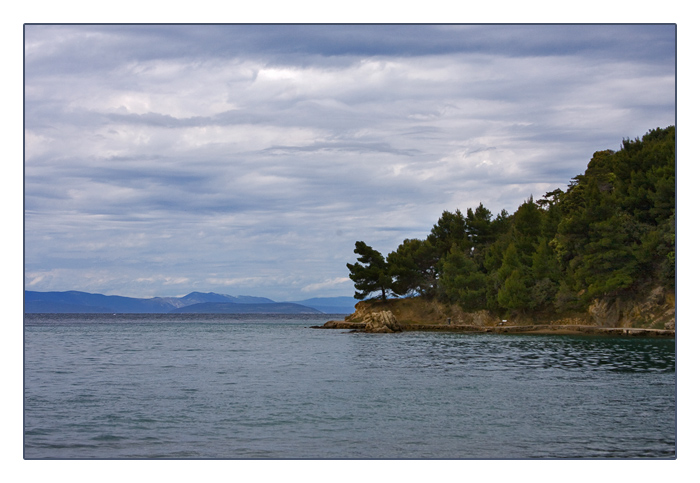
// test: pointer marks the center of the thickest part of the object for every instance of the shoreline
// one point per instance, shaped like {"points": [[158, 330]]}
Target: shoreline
{"points": [[512, 329]]}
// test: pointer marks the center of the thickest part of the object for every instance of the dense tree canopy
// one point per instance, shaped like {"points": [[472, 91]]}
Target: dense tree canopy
{"points": [[611, 233], [413, 268]]}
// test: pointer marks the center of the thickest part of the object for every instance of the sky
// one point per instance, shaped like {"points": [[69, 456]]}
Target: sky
{"points": [[249, 159]]}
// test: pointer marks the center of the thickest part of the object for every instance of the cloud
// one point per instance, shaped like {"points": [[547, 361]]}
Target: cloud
{"points": [[315, 287], [230, 157]]}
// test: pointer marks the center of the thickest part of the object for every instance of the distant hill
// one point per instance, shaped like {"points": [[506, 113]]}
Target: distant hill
{"points": [[201, 298], [234, 308], [72, 301], [197, 302], [44, 307]]}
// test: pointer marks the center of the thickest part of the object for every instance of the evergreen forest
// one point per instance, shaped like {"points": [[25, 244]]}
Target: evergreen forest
{"points": [[611, 233]]}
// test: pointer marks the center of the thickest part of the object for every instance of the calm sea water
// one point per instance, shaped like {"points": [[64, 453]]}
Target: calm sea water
{"points": [[258, 386]]}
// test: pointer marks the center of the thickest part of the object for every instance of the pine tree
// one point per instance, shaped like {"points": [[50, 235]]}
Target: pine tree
{"points": [[450, 229], [461, 281], [413, 268], [371, 273]]}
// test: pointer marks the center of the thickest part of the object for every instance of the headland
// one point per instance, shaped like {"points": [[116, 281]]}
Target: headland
{"points": [[651, 317]]}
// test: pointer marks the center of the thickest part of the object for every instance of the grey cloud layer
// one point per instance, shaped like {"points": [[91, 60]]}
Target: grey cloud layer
{"points": [[161, 159], [84, 47]]}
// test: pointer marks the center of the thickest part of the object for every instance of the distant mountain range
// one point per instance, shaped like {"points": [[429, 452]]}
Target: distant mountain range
{"points": [[195, 302]]}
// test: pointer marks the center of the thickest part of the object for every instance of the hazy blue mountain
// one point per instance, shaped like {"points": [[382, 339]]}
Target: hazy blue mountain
{"points": [[200, 298], [83, 302], [331, 305], [248, 308], [67, 302], [43, 307]]}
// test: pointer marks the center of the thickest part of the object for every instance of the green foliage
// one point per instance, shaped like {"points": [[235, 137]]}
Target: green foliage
{"points": [[461, 281], [527, 221], [513, 259], [451, 229], [370, 273], [611, 232], [544, 263], [616, 219], [480, 230], [551, 213], [546, 273], [666, 251], [515, 294], [413, 268]]}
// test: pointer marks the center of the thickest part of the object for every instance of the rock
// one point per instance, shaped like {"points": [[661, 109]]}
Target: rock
{"points": [[653, 308], [340, 324], [483, 318], [670, 325], [381, 322], [657, 308], [656, 296], [361, 309], [604, 314]]}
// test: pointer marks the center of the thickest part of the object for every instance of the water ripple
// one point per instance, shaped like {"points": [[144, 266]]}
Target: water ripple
{"points": [[196, 388]]}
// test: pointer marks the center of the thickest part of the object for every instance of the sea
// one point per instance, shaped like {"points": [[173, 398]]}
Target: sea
{"points": [[254, 386]]}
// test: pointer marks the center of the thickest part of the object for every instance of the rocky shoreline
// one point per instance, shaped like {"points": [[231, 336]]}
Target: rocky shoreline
{"points": [[651, 316], [505, 329]]}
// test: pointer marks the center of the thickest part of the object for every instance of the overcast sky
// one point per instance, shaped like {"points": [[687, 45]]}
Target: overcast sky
{"points": [[247, 160]]}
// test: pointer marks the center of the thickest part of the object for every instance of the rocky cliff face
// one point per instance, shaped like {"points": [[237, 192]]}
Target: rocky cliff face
{"points": [[420, 311], [656, 311], [381, 322]]}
